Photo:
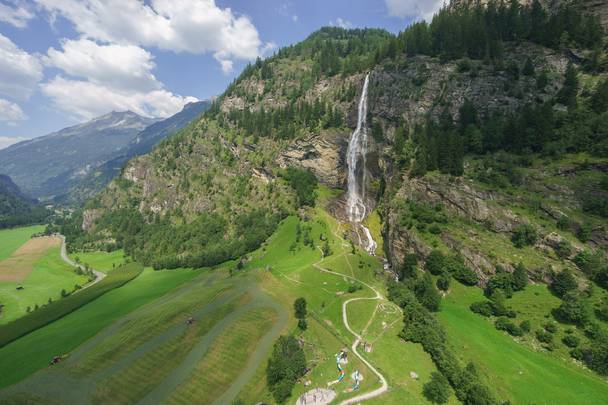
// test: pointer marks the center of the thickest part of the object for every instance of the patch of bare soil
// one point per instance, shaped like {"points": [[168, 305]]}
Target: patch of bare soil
{"points": [[21, 263]]}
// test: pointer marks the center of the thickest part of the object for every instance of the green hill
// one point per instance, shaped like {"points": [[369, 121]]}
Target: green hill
{"points": [[486, 165]]}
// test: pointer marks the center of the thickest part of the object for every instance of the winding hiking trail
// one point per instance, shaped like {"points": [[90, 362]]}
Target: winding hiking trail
{"points": [[64, 256], [384, 387]]}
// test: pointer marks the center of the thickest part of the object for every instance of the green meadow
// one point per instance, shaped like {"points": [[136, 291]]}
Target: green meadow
{"points": [[34, 351], [11, 239], [102, 261], [50, 276], [515, 370], [141, 329]]}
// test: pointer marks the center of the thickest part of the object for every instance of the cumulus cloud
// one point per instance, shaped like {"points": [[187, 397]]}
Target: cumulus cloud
{"points": [[341, 23], [19, 71], [194, 26], [114, 65], [6, 141], [103, 77], [413, 8], [85, 100], [10, 112], [16, 14]]}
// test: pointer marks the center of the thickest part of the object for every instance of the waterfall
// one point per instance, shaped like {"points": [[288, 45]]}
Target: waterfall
{"points": [[356, 160]]}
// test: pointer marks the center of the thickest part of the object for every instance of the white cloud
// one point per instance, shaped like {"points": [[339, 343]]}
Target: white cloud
{"points": [[294, 18], [6, 141], [105, 77], [194, 26], [424, 9], [19, 71], [113, 65], [18, 15], [341, 23], [85, 100], [10, 113]]}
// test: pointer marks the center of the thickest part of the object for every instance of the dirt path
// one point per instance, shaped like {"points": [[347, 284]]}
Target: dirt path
{"points": [[384, 387], [64, 255]]}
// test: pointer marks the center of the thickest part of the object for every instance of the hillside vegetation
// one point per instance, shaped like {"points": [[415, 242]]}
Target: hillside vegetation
{"points": [[487, 169]]}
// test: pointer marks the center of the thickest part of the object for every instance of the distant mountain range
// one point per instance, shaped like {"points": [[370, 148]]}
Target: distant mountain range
{"points": [[82, 159], [15, 207], [143, 143]]}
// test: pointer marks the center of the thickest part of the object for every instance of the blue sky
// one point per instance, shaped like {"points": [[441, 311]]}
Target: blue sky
{"points": [[66, 61]]}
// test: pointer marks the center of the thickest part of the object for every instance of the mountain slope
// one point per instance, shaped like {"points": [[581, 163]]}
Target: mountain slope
{"points": [[50, 165], [143, 143], [487, 156], [16, 208]]}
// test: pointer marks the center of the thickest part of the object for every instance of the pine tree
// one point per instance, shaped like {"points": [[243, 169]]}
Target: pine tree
{"points": [[520, 277], [567, 94], [528, 69]]}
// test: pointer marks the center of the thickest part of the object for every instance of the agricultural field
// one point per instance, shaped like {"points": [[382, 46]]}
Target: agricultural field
{"points": [[11, 239], [32, 272], [237, 312], [101, 261], [141, 329]]}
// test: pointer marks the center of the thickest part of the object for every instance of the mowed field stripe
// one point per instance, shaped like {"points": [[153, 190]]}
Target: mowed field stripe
{"points": [[20, 264]]}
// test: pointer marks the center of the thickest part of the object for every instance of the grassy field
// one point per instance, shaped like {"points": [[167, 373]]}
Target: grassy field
{"points": [[11, 239], [140, 330], [224, 360], [55, 310], [102, 261], [516, 371], [34, 351], [49, 276], [293, 274]]}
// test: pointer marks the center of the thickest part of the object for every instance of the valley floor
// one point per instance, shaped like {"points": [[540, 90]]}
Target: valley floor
{"points": [[142, 329]]}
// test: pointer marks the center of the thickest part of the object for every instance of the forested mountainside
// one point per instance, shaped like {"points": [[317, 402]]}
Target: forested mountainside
{"points": [[97, 178], [48, 166], [488, 158], [17, 209]]}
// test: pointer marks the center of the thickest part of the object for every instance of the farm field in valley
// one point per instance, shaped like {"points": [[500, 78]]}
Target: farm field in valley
{"points": [[141, 328], [32, 272]]}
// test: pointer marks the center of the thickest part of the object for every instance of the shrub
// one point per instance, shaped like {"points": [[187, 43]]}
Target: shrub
{"points": [[302, 325], [483, 308], [505, 324], [563, 249], [544, 336], [435, 229], [443, 283], [525, 326], [435, 262], [520, 277], [571, 341], [427, 294], [456, 267], [437, 390], [299, 307], [573, 309], [354, 288], [524, 235], [563, 282], [602, 311], [551, 327], [563, 223]]}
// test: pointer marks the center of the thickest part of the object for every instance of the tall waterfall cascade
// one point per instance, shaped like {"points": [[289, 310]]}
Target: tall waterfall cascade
{"points": [[356, 160]]}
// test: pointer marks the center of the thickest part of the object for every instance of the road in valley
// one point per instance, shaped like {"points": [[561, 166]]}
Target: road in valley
{"points": [[64, 255]]}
